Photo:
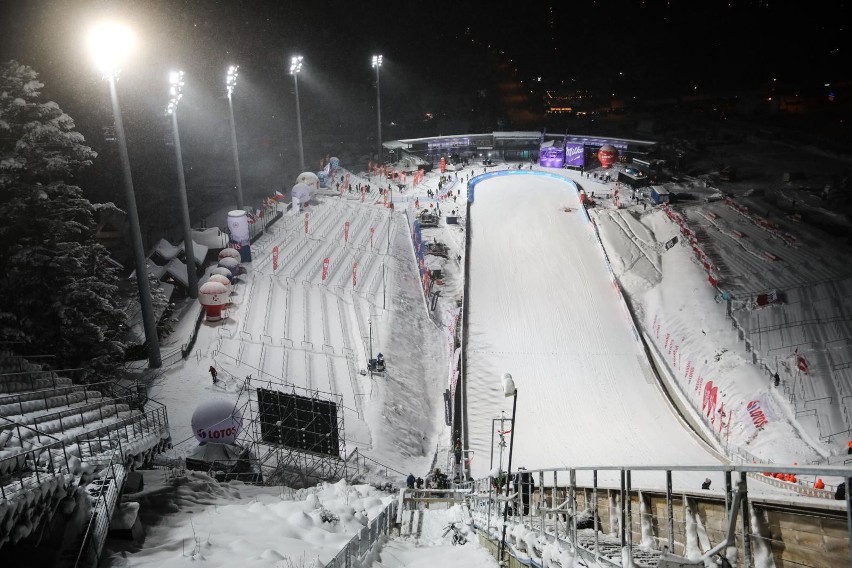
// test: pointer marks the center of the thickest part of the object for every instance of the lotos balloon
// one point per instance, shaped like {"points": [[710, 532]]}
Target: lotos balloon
{"points": [[216, 421]]}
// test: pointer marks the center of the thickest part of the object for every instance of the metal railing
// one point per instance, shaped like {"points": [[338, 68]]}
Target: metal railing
{"points": [[108, 489], [45, 395], [359, 545], [550, 508], [359, 458], [17, 478]]}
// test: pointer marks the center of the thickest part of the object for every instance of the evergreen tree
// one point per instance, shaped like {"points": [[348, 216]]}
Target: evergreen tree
{"points": [[60, 293]]}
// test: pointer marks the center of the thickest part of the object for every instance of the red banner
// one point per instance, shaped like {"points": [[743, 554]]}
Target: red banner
{"points": [[354, 274], [306, 222], [707, 388], [324, 269], [346, 231], [275, 258], [372, 230], [711, 404], [802, 363]]}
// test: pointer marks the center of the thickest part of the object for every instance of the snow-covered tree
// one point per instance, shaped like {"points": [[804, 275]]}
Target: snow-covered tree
{"points": [[59, 287]]}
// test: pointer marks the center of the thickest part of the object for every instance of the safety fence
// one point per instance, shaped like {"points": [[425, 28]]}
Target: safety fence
{"points": [[356, 550], [602, 515]]}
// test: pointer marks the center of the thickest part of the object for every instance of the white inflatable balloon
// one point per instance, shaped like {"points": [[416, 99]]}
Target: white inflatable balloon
{"points": [[216, 421]]}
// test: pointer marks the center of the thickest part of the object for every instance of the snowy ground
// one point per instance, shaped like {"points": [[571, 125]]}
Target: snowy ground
{"points": [[536, 268]]}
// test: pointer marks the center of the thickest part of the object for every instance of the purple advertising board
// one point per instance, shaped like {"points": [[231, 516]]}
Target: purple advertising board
{"points": [[574, 154], [550, 157]]}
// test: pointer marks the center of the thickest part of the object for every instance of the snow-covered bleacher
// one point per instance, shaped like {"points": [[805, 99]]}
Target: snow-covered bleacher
{"points": [[57, 438]]}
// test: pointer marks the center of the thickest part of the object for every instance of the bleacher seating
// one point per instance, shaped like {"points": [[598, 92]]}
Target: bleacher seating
{"points": [[57, 437]]}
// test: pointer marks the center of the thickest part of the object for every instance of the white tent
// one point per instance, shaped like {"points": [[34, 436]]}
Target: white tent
{"points": [[301, 193]]}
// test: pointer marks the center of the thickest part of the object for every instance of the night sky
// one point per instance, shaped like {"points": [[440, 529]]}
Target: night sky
{"points": [[475, 66]]}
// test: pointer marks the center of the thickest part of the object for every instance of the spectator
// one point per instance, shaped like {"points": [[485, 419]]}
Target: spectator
{"points": [[213, 374], [706, 484], [819, 484], [409, 481], [524, 484], [840, 494]]}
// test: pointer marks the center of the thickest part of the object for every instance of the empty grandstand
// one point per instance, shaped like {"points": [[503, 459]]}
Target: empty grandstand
{"points": [[65, 453]]}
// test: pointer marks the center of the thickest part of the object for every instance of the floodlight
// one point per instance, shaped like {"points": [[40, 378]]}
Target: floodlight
{"points": [[110, 44], [296, 64], [231, 81], [175, 90], [377, 61]]}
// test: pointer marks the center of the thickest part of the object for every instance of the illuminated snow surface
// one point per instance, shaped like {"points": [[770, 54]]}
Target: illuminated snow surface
{"points": [[543, 307]]}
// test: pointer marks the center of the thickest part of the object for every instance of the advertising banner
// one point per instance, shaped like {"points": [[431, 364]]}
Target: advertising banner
{"points": [[551, 156], [324, 269], [354, 274], [575, 155], [275, 258], [372, 231], [755, 411], [239, 234], [708, 388], [711, 405], [307, 215], [346, 231]]}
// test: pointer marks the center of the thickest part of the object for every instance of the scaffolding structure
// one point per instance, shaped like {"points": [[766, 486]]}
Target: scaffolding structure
{"points": [[295, 435]]}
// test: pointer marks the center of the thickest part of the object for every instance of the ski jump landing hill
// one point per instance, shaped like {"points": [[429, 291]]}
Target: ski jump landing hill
{"points": [[544, 306]]}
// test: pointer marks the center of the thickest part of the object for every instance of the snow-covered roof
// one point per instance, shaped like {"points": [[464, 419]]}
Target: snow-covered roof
{"points": [[211, 237], [168, 251]]}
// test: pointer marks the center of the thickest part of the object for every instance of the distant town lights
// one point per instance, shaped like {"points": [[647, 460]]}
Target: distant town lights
{"points": [[231, 81], [175, 90], [296, 64], [110, 44], [377, 61]]}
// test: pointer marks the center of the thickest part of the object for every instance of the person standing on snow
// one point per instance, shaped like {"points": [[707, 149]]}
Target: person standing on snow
{"points": [[524, 484], [409, 481], [213, 373]]}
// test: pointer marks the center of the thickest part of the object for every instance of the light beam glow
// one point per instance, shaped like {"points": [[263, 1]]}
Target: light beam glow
{"points": [[110, 44]]}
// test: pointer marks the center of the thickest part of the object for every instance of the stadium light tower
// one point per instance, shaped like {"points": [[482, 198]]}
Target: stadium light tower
{"points": [[110, 44], [230, 83], [295, 69], [377, 63], [175, 94]]}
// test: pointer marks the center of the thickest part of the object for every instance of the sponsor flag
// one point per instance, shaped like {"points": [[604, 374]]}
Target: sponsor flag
{"points": [[324, 269], [307, 215], [354, 274], [275, 258], [372, 231], [802, 363]]}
